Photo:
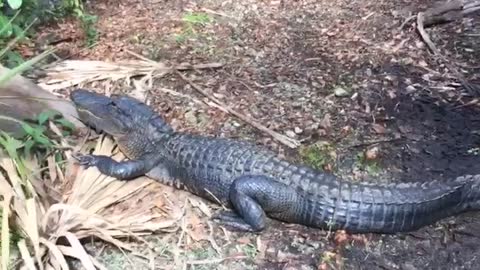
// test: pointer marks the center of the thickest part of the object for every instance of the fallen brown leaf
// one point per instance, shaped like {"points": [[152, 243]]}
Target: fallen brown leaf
{"points": [[379, 129]]}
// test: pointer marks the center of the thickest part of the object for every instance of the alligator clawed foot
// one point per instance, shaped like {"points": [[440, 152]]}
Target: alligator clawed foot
{"points": [[233, 221], [225, 215], [85, 160]]}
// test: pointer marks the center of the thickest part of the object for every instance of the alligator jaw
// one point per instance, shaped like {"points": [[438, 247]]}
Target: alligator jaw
{"points": [[99, 112]]}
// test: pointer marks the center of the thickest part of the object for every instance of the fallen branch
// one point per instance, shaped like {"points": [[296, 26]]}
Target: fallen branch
{"points": [[292, 143], [277, 136], [426, 38], [450, 11], [423, 33], [215, 261], [411, 18], [178, 67], [364, 144]]}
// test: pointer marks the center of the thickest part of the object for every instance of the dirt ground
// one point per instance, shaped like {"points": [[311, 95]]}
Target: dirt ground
{"points": [[340, 73]]}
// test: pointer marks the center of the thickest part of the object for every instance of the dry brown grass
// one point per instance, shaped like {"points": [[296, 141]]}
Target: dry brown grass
{"points": [[54, 211]]}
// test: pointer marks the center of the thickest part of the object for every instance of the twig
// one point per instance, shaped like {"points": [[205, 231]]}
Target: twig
{"points": [[436, 52], [179, 67], [450, 11], [199, 66], [368, 16], [219, 260], [178, 94], [468, 104], [69, 56], [374, 142], [277, 136], [217, 13], [222, 106], [425, 36], [211, 239], [411, 18]]}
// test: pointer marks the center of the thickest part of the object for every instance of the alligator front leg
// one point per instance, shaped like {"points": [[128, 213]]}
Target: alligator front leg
{"points": [[252, 196], [123, 170]]}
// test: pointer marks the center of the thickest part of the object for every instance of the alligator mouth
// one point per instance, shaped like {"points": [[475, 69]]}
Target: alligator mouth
{"points": [[90, 119]]}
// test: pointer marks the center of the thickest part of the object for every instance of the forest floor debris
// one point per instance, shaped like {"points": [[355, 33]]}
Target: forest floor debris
{"points": [[284, 62]]}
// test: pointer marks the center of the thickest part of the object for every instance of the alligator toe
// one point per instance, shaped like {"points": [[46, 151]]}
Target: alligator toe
{"points": [[86, 160]]}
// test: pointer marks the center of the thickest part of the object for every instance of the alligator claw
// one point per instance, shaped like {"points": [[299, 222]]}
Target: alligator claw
{"points": [[85, 160], [233, 221], [225, 215]]}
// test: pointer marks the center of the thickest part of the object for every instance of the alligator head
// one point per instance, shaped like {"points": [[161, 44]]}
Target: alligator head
{"points": [[118, 115], [100, 112]]}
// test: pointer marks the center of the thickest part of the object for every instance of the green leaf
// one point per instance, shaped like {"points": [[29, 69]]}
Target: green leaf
{"points": [[64, 122], [45, 115], [58, 157], [13, 59], [28, 145], [6, 76], [28, 129], [43, 140], [18, 31], [6, 29], [10, 144], [42, 118], [14, 4], [197, 18]]}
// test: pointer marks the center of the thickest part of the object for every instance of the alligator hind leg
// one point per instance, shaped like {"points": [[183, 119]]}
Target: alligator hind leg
{"points": [[252, 198], [250, 217]]}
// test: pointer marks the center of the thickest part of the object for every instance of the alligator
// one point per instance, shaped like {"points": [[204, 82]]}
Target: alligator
{"points": [[255, 184]]}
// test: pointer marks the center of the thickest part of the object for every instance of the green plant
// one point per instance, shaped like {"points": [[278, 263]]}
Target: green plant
{"points": [[17, 27], [196, 19], [37, 138], [370, 166], [250, 250], [15, 235], [88, 21], [10, 34], [192, 21], [23, 66], [320, 155], [38, 142]]}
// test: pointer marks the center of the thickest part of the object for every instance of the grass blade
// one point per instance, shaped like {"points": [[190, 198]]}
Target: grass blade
{"points": [[56, 253], [5, 230], [32, 225], [15, 40], [4, 28], [24, 66], [27, 258], [80, 251]]}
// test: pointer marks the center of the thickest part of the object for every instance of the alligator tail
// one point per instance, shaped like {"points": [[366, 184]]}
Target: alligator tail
{"points": [[472, 193], [392, 208]]}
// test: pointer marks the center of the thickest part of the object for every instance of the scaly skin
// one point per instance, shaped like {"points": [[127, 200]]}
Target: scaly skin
{"points": [[255, 184]]}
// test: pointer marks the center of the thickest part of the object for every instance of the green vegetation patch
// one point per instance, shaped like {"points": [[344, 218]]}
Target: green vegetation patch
{"points": [[321, 156]]}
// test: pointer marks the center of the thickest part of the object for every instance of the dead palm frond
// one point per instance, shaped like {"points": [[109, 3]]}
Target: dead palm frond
{"points": [[70, 73], [54, 219]]}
